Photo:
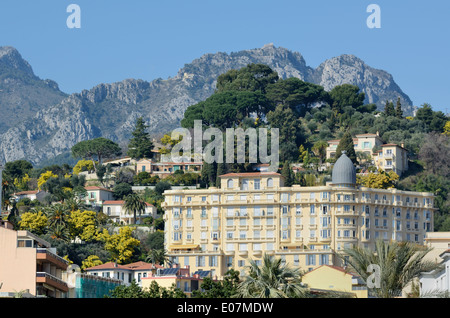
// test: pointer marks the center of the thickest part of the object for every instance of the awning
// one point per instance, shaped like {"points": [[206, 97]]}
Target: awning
{"points": [[183, 247]]}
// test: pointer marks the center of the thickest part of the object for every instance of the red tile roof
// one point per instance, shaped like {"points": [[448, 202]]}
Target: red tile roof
{"points": [[133, 266], [26, 192], [96, 188]]}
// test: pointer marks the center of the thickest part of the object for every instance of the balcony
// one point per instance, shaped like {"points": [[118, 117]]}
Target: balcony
{"points": [[44, 254], [46, 278]]}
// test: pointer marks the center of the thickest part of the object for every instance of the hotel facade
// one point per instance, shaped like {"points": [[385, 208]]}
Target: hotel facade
{"points": [[253, 214]]}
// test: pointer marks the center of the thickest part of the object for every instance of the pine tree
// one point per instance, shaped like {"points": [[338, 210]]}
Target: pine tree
{"points": [[346, 143], [140, 145]]}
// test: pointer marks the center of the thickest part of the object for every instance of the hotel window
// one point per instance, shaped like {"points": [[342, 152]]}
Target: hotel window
{"points": [[256, 234], [269, 221], [284, 197], [177, 198], [296, 260], [366, 144], [269, 234], [385, 212], [270, 183], [346, 208], [312, 209], [256, 221], [203, 235], [269, 210], [257, 246], [270, 196], [203, 214], [230, 235], [385, 223], [189, 212], [323, 259], [257, 210], [230, 211], [298, 196], [215, 197], [200, 261], [213, 260], [241, 263], [298, 210], [215, 212], [312, 233], [298, 221], [243, 197], [189, 236], [257, 197], [243, 211], [311, 260], [242, 222], [324, 209], [284, 235], [229, 261], [256, 184], [284, 209], [243, 247], [230, 197], [298, 234], [244, 184], [230, 183], [243, 235], [203, 199]]}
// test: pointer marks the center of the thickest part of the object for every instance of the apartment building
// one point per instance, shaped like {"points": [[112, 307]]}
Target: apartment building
{"points": [[165, 169], [125, 273], [176, 276], [29, 264], [362, 143], [217, 229], [115, 210], [391, 157]]}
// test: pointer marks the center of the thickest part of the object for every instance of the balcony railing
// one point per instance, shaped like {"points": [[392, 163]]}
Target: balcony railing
{"points": [[43, 277], [58, 260]]}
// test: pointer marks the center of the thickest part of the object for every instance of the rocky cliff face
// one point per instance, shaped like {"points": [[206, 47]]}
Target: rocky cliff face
{"points": [[22, 93], [54, 125]]}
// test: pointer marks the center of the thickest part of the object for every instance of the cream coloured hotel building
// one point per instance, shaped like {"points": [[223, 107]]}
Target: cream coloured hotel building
{"points": [[253, 213]]}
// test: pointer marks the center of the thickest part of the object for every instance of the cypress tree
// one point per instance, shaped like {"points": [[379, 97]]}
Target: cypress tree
{"points": [[346, 143], [398, 109], [389, 109]]}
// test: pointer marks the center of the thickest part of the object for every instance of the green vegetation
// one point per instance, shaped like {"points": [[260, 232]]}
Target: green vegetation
{"points": [[307, 117]]}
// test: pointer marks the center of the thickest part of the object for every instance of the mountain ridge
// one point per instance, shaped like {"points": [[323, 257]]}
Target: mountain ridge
{"points": [[110, 110]]}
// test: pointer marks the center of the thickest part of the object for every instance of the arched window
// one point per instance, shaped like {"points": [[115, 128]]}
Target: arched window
{"points": [[230, 183], [270, 183]]}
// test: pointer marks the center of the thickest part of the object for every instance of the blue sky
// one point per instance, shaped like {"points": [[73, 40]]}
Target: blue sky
{"points": [[151, 39]]}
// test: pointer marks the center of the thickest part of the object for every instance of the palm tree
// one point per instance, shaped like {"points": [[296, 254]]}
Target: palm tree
{"points": [[134, 204], [57, 214], [157, 256], [399, 264], [272, 279]]}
